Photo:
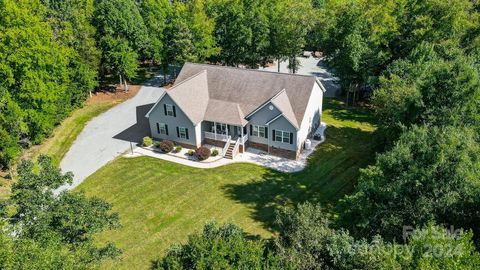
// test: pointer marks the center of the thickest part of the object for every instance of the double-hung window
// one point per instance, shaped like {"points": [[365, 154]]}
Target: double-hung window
{"points": [[162, 128], [282, 136], [182, 133], [259, 131], [169, 110]]}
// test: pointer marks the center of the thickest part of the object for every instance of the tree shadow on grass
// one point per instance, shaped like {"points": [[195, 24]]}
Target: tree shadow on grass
{"points": [[331, 173], [340, 112]]}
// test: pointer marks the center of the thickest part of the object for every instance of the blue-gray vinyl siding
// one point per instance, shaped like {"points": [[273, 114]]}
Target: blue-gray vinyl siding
{"points": [[284, 125], [157, 115], [264, 115]]}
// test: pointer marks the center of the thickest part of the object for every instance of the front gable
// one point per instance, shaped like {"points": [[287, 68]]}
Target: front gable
{"points": [[158, 115], [264, 114]]}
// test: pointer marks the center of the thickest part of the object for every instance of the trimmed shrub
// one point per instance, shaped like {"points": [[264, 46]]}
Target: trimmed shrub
{"points": [[156, 144], [214, 153], [177, 149], [147, 141], [191, 153], [166, 146], [202, 153]]}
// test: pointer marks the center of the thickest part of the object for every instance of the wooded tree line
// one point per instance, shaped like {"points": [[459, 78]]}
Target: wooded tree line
{"points": [[43, 230], [54, 52], [419, 58], [421, 61]]}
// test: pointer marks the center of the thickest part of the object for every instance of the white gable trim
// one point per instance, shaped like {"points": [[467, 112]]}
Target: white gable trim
{"points": [[176, 105], [273, 119], [321, 85], [278, 116], [265, 104], [156, 103]]}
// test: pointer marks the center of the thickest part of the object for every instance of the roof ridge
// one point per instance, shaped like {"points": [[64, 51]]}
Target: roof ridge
{"points": [[289, 103], [241, 114], [253, 70]]}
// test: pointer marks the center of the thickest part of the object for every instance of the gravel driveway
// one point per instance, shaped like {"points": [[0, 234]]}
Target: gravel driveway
{"points": [[312, 66], [109, 135]]}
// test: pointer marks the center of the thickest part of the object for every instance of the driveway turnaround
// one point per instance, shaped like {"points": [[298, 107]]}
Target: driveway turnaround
{"points": [[109, 135], [312, 66]]}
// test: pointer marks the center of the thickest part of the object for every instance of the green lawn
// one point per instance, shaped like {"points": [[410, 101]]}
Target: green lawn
{"points": [[65, 134], [160, 203], [62, 138]]}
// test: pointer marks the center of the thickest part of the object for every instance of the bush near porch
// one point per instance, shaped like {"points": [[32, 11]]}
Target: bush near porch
{"points": [[160, 202]]}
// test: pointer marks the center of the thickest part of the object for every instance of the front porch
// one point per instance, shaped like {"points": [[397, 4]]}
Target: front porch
{"points": [[231, 137]]}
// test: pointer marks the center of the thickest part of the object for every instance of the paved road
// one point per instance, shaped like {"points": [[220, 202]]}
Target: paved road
{"points": [[109, 134], [312, 66]]}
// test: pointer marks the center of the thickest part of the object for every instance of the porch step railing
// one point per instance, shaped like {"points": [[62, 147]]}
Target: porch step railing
{"points": [[245, 138], [227, 144], [235, 148]]}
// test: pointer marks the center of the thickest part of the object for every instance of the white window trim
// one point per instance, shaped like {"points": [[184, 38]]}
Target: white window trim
{"points": [[163, 128], [182, 131], [283, 135], [169, 108], [258, 132]]}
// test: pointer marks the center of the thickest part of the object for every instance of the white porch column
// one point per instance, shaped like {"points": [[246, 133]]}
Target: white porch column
{"points": [[226, 129], [268, 139], [241, 132], [215, 129]]}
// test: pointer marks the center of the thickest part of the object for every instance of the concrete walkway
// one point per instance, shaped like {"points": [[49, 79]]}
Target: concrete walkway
{"points": [[109, 135], [250, 156]]}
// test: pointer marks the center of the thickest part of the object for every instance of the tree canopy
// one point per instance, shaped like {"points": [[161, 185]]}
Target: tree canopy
{"points": [[48, 231], [219, 247], [431, 173]]}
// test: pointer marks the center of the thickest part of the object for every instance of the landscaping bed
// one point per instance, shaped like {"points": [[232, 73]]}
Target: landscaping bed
{"points": [[169, 148], [161, 202]]}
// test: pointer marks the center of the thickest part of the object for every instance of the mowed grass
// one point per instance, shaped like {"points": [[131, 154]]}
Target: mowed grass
{"points": [[160, 202], [62, 138], [65, 134]]}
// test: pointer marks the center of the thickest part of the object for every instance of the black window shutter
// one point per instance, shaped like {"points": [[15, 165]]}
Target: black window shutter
{"points": [[165, 108], [178, 133], [158, 128], [266, 132], [186, 132], [251, 130], [273, 135], [166, 129], [291, 138], [174, 112]]}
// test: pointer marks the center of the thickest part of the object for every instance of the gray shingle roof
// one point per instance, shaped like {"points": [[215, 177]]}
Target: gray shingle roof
{"points": [[192, 96], [225, 112], [282, 102], [226, 94]]}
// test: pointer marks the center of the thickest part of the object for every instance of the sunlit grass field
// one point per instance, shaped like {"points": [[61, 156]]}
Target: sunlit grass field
{"points": [[160, 202]]}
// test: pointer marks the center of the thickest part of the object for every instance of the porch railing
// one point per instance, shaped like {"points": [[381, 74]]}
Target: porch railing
{"points": [[227, 144], [216, 137], [245, 138], [235, 149]]}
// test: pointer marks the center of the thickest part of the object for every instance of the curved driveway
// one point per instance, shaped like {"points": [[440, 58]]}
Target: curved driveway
{"points": [[109, 135]]}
